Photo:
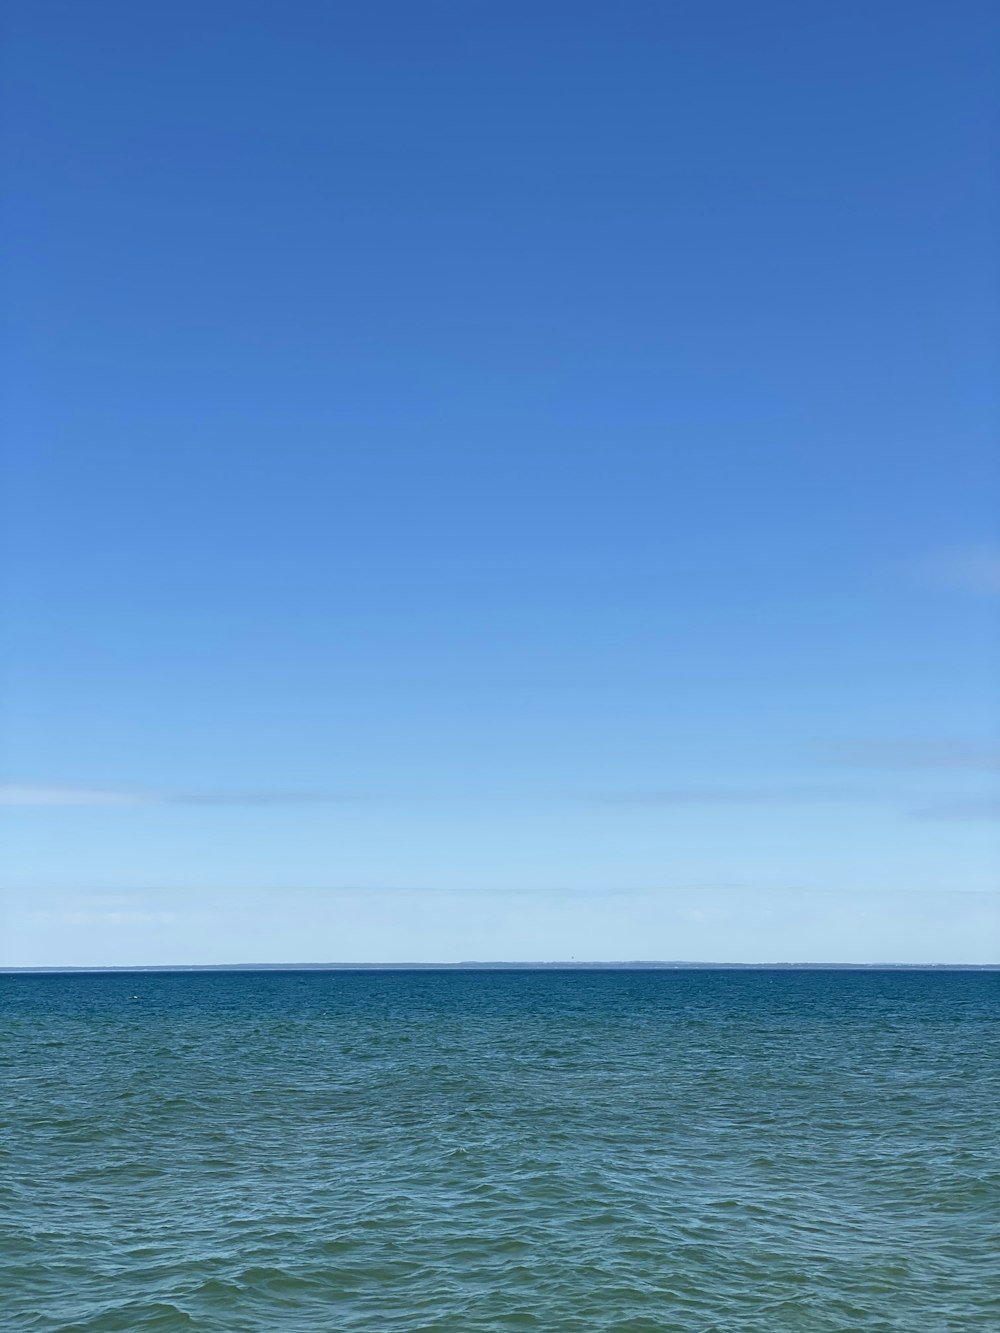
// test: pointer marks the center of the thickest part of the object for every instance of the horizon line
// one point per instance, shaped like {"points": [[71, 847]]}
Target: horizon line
{"points": [[510, 965]]}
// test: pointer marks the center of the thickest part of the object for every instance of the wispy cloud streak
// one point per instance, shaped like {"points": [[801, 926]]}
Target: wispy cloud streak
{"points": [[916, 754], [736, 796], [44, 794], [974, 569], [963, 808]]}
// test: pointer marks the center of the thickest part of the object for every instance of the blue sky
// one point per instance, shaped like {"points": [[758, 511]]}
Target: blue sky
{"points": [[501, 481]]}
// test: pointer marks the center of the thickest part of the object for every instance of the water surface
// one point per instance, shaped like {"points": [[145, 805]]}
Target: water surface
{"points": [[380, 1151]]}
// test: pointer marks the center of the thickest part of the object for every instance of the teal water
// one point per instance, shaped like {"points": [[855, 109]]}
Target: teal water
{"points": [[383, 1151]]}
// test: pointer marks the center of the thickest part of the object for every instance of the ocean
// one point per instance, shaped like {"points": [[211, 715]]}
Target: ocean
{"points": [[691, 1151]]}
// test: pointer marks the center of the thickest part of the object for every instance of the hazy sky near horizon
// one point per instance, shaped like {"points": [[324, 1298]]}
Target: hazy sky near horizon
{"points": [[501, 480]]}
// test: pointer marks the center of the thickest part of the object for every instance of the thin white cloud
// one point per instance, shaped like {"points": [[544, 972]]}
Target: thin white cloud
{"points": [[915, 754], [974, 568], [966, 807], [236, 797], [28, 793], [105, 918], [47, 794], [710, 796]]}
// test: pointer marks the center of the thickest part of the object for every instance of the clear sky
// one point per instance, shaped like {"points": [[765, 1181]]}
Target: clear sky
{"points": [[501, 479]]}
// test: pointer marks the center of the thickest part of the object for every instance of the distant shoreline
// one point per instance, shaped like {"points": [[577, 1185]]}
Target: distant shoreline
{"points": [[572, 966]]}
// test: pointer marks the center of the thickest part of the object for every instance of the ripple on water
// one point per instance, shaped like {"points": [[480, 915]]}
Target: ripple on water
{"points": [[487, 1151]]}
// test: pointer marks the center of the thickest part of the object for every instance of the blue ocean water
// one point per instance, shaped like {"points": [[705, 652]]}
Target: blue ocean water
{"points": [[558, 1150]]}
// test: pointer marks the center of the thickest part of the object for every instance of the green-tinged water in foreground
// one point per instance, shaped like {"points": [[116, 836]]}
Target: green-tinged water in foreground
{"points": [[379, 1151]]}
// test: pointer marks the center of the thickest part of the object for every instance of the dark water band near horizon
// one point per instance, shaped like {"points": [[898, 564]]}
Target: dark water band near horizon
{"points": [[698, 1151]]}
